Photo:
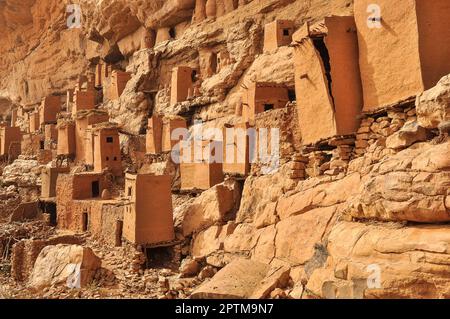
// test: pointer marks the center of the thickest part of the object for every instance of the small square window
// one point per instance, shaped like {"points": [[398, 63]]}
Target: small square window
{"points": [[109, 139], [286, 32]]}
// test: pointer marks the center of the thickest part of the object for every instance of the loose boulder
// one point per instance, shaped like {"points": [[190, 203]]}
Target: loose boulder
{"points": [[72, 265]]}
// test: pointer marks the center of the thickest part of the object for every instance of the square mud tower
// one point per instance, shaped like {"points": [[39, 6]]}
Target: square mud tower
{"points": [[75, 194], [404, 48], [13, 117], [50, 133], [50, 107], [66, 138], [107, 150], [83, 100], [236, 149], [8, 137], [34, 122], [148, 219], [327, 79], [170, 125], [277, 34], [49, 176], [119, 81], [153, 142], [83, 120], [261, 97], [183, 78], [98, 75], [198, 172]]}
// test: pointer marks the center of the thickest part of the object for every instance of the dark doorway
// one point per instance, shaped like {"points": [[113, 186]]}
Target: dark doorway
{"points": [[95, 189], [42, 144], [49, 209], [321, 47], [160, 257], [85, 221], [194, 75], [286, 32], [172, 33], [119, 231], [268, 107], [292, 96]]}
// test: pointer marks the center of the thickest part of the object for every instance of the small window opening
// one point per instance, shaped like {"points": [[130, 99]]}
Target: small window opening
{"points": [[109, 139], [268, 107]]}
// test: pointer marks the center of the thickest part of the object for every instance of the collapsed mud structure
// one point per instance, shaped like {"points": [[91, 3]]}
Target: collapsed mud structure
{"points": [[161, 149]]}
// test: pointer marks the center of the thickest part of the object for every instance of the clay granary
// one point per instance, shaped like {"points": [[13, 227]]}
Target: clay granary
{"points": [[49, 108], [171, 125], [83, 120], [8, 137], [236, 149], [76, 196], [159, 133], [66, 138], [154, 135], [414, 26], [278, 33], [119, 80], [49, 176], [34, 122], [148, 218], [327, 79], [182, 84], [201, 164], [106, 148], [261, 97], [83, 100]]}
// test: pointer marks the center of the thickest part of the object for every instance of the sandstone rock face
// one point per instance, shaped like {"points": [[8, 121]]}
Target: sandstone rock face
{"points": [[60, 264], [235, 281], [433, 106], [215, 205], [382, 261], [408, 135], [22, 173], [409, 186]]}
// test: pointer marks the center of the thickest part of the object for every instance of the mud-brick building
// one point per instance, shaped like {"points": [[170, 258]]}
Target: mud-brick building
{"points": [[119, 80], [34, 124], [83, 120], [83, 100], [170, 127], [236, 149], [153, 142], [148, 217], [66, 138], [327, 79], [182, 83], [106, 149], [403, 48], [261, 97], [49, 176], [8, 136], [77, 195], [48, 110], [201, 165], [277, 34]]}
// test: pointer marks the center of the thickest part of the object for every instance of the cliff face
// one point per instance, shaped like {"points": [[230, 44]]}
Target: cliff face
{"points": [[360, 215]]}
